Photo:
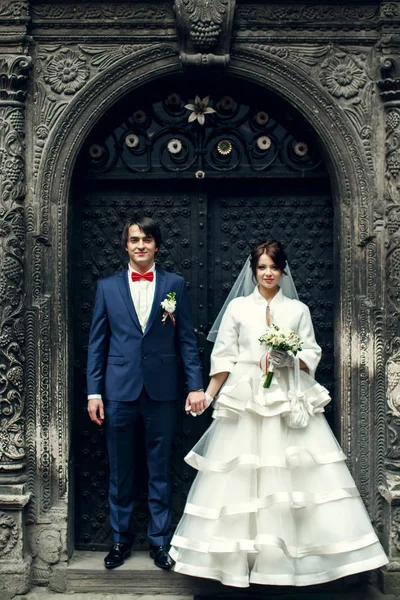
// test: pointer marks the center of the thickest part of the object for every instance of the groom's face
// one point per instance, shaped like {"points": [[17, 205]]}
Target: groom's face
{"points": [[141, 249]]}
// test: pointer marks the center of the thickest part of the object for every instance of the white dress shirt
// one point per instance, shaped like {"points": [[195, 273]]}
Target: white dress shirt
{"points": [[142, 294]]}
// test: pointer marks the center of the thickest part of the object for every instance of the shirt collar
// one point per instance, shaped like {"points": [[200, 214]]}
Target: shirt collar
{"points": [[152, 269], [259, 299]]}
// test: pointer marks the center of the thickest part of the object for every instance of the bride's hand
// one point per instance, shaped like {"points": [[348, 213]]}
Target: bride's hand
{"points": [[195, 402], [280, 358]]}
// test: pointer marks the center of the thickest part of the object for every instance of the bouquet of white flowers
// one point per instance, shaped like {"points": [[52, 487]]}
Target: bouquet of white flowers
{"points": [[277, 338]]}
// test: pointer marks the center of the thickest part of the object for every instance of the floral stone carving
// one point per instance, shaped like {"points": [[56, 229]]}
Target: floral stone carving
{"points": [[343, 75], [66, 72]]}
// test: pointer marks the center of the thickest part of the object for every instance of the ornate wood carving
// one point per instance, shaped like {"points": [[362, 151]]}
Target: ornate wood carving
{"points": [[13, 75], [205, 31]]}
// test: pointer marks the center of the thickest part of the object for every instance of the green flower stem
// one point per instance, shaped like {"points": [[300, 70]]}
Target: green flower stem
{"points": [[268, 379]]}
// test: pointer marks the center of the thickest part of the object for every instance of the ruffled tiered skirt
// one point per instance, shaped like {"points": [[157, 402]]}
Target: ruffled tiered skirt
{"points": [[271, 504]]}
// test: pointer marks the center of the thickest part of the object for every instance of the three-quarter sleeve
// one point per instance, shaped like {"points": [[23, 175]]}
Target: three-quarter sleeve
{"points": [[226, 346], [311, 352]]}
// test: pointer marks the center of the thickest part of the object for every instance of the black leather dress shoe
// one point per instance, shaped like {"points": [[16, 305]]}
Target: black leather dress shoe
{"points": [[117, 555], [161, 557]]}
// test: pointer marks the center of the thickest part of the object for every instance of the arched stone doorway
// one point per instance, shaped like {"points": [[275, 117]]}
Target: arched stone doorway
{"points": [[360, 402], [253, 170]]}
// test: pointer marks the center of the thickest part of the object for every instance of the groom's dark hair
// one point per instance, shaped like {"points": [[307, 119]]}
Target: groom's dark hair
{"points": [[146, 224]]}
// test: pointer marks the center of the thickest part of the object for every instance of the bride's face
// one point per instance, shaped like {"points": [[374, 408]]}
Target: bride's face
{"points": [[268, 274]]}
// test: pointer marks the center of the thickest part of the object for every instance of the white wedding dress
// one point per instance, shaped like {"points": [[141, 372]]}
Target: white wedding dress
{"points": [[270, 504]]}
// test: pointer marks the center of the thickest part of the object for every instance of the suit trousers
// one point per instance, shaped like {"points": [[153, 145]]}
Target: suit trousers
{"points": [[160, 422]]}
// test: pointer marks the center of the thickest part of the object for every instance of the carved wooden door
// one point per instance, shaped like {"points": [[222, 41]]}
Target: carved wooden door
{"points": [[208, 230]]}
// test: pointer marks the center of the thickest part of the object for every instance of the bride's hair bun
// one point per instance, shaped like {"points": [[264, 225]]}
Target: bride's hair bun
{"points": [[274, 250]]}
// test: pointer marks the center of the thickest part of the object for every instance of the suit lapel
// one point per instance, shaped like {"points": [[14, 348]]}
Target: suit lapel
{"points": [[123, 286], [159, 294]]}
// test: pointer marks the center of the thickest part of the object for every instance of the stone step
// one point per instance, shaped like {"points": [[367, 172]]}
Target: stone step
{"points": [[86, 573], [367, 593], [138, 577]]}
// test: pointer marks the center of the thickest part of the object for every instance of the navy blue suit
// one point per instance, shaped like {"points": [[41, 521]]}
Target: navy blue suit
{"points": [[136, 373]]}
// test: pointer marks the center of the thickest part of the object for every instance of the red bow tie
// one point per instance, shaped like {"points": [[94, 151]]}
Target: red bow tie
{"points": [[149, 276]]}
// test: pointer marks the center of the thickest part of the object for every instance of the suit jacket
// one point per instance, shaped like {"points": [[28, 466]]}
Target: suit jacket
{"points": [[122, 358]]}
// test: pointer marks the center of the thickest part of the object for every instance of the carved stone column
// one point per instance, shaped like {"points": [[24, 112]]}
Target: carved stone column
{"points": [[14, 568], [12, 239], [389, 86]]}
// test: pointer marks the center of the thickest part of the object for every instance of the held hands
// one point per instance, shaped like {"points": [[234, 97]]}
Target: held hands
{"points": [[280, 358], [196, 403], [96, 410]]}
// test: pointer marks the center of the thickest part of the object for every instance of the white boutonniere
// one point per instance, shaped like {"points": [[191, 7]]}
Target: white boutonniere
{"points": [[169, 306]]}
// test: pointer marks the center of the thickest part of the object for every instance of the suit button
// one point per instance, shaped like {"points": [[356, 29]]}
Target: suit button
{"points": [[144, 356]]}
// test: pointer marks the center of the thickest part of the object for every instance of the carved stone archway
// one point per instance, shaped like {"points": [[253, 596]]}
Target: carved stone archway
{"points": [[48, 242], [61, 127]]}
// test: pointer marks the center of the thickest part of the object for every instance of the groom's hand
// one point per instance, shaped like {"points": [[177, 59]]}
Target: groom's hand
{"points": [[96, 410], [195, 402]]}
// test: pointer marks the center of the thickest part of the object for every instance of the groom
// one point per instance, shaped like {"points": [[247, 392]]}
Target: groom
{"points": [[133, 371]]}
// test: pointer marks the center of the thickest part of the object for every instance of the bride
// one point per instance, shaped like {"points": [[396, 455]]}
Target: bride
{"points": [[273, 501]]}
